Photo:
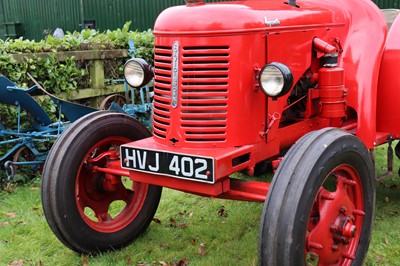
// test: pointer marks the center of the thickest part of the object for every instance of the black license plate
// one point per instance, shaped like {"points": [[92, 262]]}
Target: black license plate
{"points": [[184, 166]]}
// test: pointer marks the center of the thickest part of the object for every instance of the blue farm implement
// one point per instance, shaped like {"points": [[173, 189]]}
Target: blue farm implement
{"points": [[22, 142]]}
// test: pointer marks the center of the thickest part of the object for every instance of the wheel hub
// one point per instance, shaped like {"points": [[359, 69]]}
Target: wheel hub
{"points": [[343, 230]]}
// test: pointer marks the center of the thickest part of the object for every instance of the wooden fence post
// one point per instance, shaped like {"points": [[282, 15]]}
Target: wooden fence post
{"points": [[96, 72]]}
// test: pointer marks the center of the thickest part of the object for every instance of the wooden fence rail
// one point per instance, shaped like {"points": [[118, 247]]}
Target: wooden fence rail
{"points": [[98, 88]]}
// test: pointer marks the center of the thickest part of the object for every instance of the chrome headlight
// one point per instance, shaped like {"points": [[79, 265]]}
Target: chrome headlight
{"points": [[275, 79], [137, 72]]}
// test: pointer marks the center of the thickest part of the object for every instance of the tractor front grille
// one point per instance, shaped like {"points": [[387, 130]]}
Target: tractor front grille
{"points": [[203, 92]]}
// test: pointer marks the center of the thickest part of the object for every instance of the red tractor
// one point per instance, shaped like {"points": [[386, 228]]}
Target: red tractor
{"points": [[309, 87]]}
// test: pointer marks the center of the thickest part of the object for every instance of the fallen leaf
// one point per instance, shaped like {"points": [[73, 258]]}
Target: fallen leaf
{"points": [[35, 188], [4, 224], [193, 241], [386, 199], [313, 256], [222, 212], [202, 249], [379, 258], [156, 220], [173, 222], [191, 215], [35, 208], [183, 262], [182, 215], [387, 242], [17, 263], [129, 263], [84, 261], [39, 263], [182, 225], [10, 215], [163, 263]]}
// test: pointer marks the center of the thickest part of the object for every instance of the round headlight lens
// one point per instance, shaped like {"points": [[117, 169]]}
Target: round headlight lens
{"points": [[137, 72], [276, 79]]}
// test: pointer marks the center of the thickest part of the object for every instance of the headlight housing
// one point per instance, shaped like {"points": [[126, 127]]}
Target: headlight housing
{"points": [[137, 72], [275, 79]]}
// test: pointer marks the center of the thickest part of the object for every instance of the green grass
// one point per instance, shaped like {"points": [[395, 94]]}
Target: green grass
{"points": [[228, 239], [191, 228]]}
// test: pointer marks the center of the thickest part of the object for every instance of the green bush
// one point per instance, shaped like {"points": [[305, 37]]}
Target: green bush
{"points": [[70, 75]]}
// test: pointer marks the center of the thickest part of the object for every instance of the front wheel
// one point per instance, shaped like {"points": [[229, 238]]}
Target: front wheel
{"points": [[89, 210], [320, 206]]}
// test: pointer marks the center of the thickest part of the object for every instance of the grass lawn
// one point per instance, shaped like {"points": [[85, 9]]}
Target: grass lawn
{"points": [[192, 229]]}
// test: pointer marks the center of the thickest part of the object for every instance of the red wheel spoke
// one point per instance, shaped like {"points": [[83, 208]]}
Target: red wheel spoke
{"points": [[125, 194], [104, 217]]}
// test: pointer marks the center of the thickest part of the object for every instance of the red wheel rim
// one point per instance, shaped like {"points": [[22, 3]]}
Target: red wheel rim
{"points": [[334, 226], [106, 204], [115, 98]]}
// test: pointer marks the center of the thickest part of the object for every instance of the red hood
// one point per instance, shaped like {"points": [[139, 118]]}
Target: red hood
{"points": [[246, 16]]}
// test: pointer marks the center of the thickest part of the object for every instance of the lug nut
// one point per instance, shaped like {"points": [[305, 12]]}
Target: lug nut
{"points": [[358, 213], [315, 245], [327, 196], [348, 256], [349, 182], [333, 228]]}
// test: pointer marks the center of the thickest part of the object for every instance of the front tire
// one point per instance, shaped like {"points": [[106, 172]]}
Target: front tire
{"points": [[321, 202], [90, 211]]}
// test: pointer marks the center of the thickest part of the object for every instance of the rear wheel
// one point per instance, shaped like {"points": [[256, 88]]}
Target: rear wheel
{"points": [[88, 210], [321, 203], [22, 155]]}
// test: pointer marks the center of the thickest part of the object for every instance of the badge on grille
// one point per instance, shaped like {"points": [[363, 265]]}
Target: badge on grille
{"points": [[175, 74]]}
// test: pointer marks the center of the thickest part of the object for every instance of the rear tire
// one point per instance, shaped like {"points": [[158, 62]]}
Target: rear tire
{"points": [[87, 210], [320, 204]]}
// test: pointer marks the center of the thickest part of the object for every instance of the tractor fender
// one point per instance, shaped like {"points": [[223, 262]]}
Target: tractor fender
{"points": [[363, 46], [389, 83]]}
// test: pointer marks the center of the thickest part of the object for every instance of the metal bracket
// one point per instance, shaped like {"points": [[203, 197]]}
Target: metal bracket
{"points": [[272, 119], [389, 161]]}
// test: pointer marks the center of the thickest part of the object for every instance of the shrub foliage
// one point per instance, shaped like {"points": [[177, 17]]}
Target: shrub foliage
{"points": [[70, 75]]}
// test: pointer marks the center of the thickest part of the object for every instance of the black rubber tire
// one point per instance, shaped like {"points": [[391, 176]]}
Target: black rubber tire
{"points": [[397, 150], [59, 177], [294, 188]]}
